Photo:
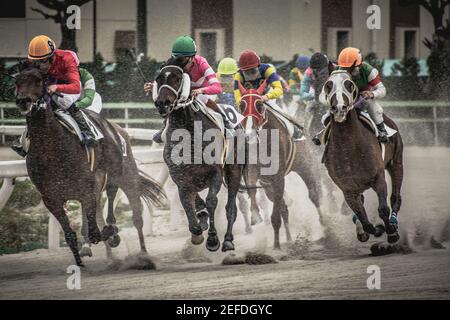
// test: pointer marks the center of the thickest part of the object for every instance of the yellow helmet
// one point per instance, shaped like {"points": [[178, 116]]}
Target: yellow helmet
{"points": [[227, 66], [41, 47]]}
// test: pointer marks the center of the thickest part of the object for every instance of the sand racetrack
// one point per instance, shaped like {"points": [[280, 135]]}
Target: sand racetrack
{"points": [[337, 272]]}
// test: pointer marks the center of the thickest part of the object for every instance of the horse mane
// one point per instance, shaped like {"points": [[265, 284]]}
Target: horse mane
{"points": [[175, 61], [30, 72]]}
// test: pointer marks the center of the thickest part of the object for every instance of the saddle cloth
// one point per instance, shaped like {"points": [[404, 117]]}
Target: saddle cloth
{"points": [[363, 117], [66, 120]]}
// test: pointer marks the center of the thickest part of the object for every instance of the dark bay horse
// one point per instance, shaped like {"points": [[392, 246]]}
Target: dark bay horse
{"points": [[57, 164], [258, 118], [193, 174], [353, 157]]}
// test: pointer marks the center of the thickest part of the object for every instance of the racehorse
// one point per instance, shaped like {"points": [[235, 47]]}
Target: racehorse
{"points": [[174, 102], [355, 161], [61, 169], [292, 156]]}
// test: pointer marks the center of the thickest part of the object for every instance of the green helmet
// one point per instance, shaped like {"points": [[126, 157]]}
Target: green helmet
{"points": [[227, 66], [184, 46]]}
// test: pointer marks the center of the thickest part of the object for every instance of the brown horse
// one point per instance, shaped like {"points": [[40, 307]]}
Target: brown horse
{"points": [[292, 156], [353, 157], [57, 164]]}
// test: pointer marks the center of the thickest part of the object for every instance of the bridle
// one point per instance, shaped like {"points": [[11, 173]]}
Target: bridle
{"points": [[182, 99]]}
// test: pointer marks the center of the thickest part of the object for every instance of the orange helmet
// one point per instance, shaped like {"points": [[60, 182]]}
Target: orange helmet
{"points": [[41, 47], [349, 57]]}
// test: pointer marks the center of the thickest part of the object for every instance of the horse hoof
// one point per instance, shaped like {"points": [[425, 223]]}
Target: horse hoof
{"points": [[256, 218], [393, 238], [95, 237], [196, 240], [85, 252], [363, 237], [202, 217], [80, 264], [114, 241], [227, 246], [277, 247], [369, 228], [109, 231], [213, 243], [379, 231]]}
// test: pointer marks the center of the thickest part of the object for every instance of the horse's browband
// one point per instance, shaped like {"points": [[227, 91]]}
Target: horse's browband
{"points": [[172, 66]]}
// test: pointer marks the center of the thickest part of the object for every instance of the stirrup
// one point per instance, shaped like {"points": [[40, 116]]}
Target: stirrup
{"points": [[89, 140], [157, 137], [19, 150]]}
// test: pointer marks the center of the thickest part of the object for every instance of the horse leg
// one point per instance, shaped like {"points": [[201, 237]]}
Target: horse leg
{"points": [[86, 247], [280, 203], [307, 172], [250, 178], [57, 209], [254, 208], [202, 212], [233, 179], [187, 199], [275, 218], [243, 207], [136, 207], [213, 243], [363, 226], [395, 170]]}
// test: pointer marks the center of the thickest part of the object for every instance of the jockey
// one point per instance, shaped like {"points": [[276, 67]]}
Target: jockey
{"points": [[89, 98], [61, 67], [368, 81], [297, 73], [225, 73], [204, 85], [252, 73], [315, 76]]}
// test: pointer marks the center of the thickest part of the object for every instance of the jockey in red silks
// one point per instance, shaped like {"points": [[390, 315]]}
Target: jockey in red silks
{"points": [[61, 67]]}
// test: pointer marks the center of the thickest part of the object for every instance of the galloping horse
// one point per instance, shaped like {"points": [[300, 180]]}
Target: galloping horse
{"points": [[192, 175], [292, 156], [354, 158], [58, 165]]}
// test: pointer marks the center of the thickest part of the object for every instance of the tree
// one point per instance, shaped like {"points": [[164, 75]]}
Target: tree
{"points": [[437, 9], [439, 59], [60, 17]]}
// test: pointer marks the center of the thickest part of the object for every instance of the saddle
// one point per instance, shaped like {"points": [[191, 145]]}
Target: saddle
{"points": [[292, 146], [67, 121], [228, 113], [365, 119]]}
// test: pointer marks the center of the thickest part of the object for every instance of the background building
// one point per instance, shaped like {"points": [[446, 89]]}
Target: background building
{"points": [[278, 29]]}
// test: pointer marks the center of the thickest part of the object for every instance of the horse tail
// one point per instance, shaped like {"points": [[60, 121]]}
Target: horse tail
{"points": [[151, 191]]}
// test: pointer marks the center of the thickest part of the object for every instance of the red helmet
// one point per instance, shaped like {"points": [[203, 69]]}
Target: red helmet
{"points": [[248, 60]]}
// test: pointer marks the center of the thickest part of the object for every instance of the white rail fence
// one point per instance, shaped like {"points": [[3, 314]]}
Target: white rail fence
{"points": [[437, 113], [10, 170]]}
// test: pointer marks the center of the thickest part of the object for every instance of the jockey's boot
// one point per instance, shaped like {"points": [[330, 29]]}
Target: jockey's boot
{"points": [[88, 136], [157, 137], [19, 150], [298, 134], [382, 133]]}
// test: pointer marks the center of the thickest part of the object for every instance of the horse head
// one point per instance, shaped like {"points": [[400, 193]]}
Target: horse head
{"points": [[172, 86], [30, 88], [252, 106], [339, 93]]}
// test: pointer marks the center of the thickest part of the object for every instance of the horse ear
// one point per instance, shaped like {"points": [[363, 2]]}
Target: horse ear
{"points": [[241, 88], [328, 87], [261, 88]]}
